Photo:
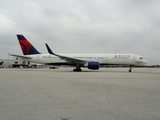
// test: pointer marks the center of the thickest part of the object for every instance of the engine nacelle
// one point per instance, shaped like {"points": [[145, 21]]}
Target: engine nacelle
{"points": [[92, 65]]}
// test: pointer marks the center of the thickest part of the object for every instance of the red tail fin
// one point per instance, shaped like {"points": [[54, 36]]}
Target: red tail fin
{"points": [[26, 46]]}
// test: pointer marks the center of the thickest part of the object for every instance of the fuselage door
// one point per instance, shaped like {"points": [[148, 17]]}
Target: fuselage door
{"points": [[107, 58], [38, 57], [134, 58]]}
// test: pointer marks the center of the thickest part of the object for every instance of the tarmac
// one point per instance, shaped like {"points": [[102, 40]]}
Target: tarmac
{"points": [[60, 94]]}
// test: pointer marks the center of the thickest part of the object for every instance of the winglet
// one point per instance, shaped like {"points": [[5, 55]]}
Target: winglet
{"points": [[49, 50]]}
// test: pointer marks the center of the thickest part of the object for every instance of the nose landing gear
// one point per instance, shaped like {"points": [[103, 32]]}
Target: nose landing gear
{"points": [[130, 68]]}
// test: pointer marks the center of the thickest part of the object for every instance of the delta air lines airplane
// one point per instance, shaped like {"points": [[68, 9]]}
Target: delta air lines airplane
{"points": [[90, 61]]}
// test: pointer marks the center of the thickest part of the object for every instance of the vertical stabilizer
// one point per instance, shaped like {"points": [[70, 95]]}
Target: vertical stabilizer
{"points": [[26, 46]]}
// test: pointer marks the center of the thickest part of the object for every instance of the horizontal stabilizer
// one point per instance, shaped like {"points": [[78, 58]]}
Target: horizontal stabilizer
{"points": [[21, 56]]}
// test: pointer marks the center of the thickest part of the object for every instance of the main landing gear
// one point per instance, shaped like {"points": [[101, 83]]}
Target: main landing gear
{"points": [[130, 68], [78, 68]]}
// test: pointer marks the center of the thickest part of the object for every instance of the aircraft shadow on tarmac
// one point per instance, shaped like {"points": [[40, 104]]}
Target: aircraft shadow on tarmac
{"points": [[95, 71]]}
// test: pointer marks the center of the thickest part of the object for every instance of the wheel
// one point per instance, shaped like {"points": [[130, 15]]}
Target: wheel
{"points": [[130, 71], [77, 70]]}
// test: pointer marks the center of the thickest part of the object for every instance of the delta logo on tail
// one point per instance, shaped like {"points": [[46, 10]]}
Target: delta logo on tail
{"points": [[26, 46]]}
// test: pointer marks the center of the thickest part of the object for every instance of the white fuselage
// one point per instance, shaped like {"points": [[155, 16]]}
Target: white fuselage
{"points": [[104, 59]]}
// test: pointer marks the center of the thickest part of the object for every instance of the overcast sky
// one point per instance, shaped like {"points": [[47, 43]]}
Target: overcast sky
{"points": [[82, 26]]}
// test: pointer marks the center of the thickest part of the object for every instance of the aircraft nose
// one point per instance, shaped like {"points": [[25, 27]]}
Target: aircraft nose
{"points": [[145, 61]]}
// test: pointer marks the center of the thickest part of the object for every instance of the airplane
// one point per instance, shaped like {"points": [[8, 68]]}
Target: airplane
{"points": [[90, 61]]}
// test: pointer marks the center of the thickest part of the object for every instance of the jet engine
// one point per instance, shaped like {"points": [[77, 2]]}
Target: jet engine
{"points": [[92, 65]]}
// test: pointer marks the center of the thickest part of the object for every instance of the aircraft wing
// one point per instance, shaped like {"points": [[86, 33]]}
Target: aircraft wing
{"points": [[21, 56], [69, 59]]}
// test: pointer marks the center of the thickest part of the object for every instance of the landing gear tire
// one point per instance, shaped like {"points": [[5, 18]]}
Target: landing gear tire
{"points": [[77, 70], [130, 70]]}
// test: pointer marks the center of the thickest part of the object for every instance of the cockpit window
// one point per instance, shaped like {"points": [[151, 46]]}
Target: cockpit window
{"points": [[141, 58]]}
